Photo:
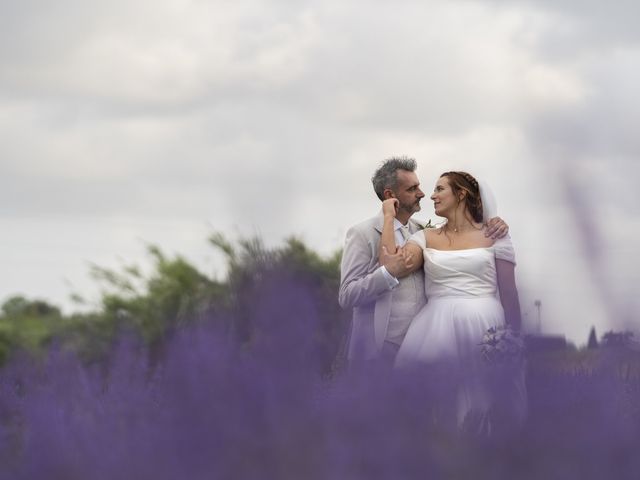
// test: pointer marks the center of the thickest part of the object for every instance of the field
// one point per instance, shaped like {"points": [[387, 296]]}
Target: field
{"points": [[255, 386]]}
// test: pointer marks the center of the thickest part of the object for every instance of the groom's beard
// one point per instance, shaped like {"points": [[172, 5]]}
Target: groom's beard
{"points": [[410, 207]]}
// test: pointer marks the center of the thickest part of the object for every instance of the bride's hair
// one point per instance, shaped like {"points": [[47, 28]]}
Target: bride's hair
{"points": [[463, 181]]}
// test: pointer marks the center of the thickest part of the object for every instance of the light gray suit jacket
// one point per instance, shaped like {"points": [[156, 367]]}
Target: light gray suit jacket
{"points": [[364, 287]]}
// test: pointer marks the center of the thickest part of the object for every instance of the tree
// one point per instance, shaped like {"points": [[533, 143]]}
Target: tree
{"points": [[297, 283], [253, 268], [593, 341], [27, 324], [175, 292], [19, 306]]}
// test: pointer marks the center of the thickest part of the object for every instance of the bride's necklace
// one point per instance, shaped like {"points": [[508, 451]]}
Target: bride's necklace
{"points": [[460, 228], [455, 229]]}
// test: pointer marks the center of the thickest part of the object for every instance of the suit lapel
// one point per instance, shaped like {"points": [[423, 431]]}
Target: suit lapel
{"points": [[414, 226], [379, 222]]}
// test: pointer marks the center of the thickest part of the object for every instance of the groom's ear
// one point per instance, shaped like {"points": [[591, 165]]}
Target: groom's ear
{"points": [[388, 193]]}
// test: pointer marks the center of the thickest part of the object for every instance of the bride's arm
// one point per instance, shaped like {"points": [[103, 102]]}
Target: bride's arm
{"points": [[509, 293], [399, 262], [413, 258], [407, 260], [388, 237]]}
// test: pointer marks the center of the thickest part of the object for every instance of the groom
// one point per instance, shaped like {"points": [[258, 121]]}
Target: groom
{"points": [[384, 301]]}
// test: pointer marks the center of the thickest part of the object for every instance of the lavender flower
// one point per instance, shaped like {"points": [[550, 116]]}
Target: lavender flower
{"points": [[202, 405]]}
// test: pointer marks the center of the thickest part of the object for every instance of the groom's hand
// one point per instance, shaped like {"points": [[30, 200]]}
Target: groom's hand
{"points": [[496, 228], [397, 264]]}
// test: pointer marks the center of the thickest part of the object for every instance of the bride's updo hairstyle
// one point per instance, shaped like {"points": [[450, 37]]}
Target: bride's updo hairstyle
{"points": [[463, 181]]}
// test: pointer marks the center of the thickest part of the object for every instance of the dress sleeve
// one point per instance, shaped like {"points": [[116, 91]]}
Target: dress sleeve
{"points": [[503, 249], [419, 239]]}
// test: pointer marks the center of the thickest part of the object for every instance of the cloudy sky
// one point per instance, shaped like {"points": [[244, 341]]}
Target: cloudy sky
{"points": [[162, 121]]}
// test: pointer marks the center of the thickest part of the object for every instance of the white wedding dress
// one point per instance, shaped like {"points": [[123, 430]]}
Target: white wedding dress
{"points": [[462, 292]]}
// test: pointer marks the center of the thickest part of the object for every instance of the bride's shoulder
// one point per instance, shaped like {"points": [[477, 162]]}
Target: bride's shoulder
{"points": [[503, 241], [503, 248], [432, 235]]}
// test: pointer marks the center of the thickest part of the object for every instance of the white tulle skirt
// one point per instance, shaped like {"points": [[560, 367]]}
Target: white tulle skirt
{"points": [[449, 330]]}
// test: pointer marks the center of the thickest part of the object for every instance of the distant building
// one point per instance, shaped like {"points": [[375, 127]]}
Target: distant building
{"points": [[624, 340]]}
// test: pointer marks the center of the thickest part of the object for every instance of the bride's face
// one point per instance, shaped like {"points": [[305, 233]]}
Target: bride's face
{"points": [[444, 200]]}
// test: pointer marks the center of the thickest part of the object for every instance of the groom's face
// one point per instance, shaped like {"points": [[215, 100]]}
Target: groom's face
{"points": [[408, 192]]}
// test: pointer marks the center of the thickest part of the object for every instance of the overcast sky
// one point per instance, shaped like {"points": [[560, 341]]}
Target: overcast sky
{"points": [[127, 122]]}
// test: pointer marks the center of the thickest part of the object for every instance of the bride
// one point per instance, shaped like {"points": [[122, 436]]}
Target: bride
{"points": [[464, 273]]}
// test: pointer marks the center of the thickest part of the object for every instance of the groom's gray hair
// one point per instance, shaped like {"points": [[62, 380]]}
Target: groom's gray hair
{"points": [[387, 175]]}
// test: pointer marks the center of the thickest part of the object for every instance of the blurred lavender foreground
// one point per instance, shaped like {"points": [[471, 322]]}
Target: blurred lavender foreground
{"points": [[257, 390]]}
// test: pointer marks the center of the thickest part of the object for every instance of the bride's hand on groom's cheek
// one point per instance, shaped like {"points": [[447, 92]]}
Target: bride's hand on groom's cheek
{"points": [[390, 207]]}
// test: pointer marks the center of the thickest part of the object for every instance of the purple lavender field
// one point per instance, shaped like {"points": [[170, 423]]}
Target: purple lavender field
{"points": [[259, 389]]}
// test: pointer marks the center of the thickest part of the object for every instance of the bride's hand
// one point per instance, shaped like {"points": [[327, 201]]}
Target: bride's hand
{"points": [[390, 207]]}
